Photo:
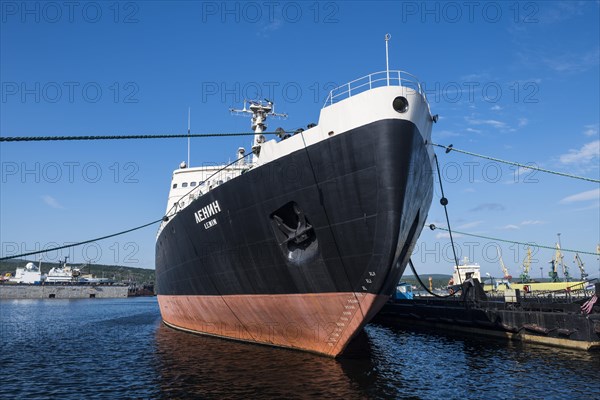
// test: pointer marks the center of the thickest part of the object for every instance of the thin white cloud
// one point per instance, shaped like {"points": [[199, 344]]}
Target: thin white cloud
{"points": [[590, 130], [510, 227], [572, 63], [488, 207], [593, 206], [584, 155], [469, 225], [475, 77], [446, 133], [558, 11], [523, 122], [496, 108], [51, 201], [473, 130], [532, 222], [490, 122], [588, 195], [446, 235], [523, 175], [271, 27]]}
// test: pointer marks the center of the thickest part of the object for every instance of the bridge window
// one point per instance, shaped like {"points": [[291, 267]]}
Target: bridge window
{"points": [[174, 186], [184, 184], [192, 183]]}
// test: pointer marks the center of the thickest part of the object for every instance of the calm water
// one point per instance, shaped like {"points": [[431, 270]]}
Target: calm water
{"points": [[82, 349]]}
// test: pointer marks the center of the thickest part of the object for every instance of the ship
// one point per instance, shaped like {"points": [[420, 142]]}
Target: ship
{"points": [[464, 271], [61, 282], [300, 242], [29, 274]]}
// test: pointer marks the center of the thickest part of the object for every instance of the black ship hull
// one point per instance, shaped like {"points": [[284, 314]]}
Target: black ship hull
{"points": [[303, 251]]}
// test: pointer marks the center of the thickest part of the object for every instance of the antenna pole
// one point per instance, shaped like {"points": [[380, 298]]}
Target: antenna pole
{"points": [[387, 65], [188, 137], [259, 110]]}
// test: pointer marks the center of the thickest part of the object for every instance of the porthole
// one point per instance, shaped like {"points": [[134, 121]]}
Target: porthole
{"points": [[400, 104]]}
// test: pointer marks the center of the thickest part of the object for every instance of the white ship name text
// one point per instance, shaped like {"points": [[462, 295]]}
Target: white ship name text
{"points": [[207, 211], [210, 223]]}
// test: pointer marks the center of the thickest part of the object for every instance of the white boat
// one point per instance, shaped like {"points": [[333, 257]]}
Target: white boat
{"points": [[465, 270], [63, 274], [29, 274]]}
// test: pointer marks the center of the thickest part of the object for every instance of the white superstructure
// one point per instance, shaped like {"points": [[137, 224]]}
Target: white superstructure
{"points": [[372, 94], [29, 274], [63, 274], [467, 270]]}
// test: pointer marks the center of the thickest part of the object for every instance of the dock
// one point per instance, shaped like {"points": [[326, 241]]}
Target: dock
{"points": [[62, 291], [557, 320]]}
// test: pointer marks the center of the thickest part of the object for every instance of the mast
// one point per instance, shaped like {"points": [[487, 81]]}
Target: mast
{"points": [[188, 158], [387, 64], [259, 110]]}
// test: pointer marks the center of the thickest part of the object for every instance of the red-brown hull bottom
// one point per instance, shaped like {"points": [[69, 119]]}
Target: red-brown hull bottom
{"points": [[321, 323]]}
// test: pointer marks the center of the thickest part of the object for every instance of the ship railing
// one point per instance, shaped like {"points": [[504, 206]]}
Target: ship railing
{"points": [[374, 80]]}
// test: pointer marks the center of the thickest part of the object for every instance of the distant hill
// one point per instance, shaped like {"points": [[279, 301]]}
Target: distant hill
{"points": [[119, 273]]}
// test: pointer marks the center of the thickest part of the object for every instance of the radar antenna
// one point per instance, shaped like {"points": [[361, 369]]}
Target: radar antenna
{"points": [[260, 110]]}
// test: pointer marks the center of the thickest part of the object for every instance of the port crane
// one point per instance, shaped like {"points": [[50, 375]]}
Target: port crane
{"points": [[553, 274], [525, 278], [507, 275], [580, 265]]}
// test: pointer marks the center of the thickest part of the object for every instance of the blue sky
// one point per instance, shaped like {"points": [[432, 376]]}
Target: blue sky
{"points": [[517, 81]]}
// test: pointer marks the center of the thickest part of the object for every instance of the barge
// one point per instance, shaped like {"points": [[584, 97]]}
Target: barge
{"points": [[556, 319]]}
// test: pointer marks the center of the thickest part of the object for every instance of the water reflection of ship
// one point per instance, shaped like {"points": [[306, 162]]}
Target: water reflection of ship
{"points": [[257, 370]]}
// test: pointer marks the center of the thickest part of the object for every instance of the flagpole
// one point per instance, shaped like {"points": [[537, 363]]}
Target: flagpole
{"points": [[387, 65]]}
